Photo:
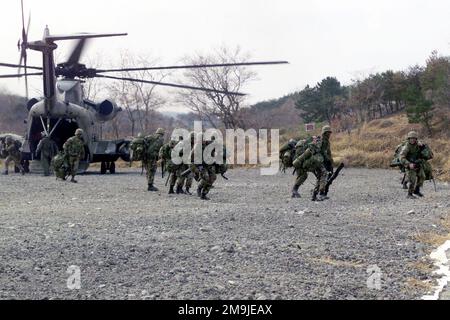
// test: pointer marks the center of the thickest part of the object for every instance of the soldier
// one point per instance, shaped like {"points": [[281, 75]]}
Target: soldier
{"points": [[165, 155], [153, 144], [326, 153], [48, 149], [413, 159], [74, 152], [186, 180], [12, 152], [311, 160], [204, 171]]}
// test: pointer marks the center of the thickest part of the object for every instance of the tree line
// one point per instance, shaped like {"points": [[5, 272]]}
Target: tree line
{"points": [[420, 91]]}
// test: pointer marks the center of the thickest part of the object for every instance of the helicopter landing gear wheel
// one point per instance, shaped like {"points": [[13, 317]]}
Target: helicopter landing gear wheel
{"points": [[103, 167], [112, 167]]}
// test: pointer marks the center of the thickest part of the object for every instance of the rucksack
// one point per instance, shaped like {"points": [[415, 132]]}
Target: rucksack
{"points": [[396, 160], [59, 165], [287, 152], [152, 145], [137, 149]]}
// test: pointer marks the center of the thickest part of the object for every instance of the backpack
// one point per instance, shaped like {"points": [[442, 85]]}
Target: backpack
{"points": [[396, 160], [152, 145], [426, 152], [137, 149], [59, 165], [287, 152]]}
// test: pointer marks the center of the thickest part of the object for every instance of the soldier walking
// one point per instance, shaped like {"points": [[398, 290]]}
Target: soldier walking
{"points": [[311, 160], [48, 149], [12, 152], [153, 144], [74, 152], [413, 159]]}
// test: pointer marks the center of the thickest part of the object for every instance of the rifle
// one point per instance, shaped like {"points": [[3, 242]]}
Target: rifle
{"points": [[168, 176], [404, 178], [163, 166], [333, 176]]}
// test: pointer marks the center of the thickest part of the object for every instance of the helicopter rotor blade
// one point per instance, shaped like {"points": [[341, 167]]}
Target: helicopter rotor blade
{"points": [[194, 66], [20, 75], [82, 36], [11, 65], [77, 51], [171, 85]]}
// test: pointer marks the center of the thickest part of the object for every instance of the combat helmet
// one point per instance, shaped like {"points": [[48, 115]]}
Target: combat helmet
{"points": [[160, 131], [79, 132], [326, 129], [140, 135], [412, 135]]}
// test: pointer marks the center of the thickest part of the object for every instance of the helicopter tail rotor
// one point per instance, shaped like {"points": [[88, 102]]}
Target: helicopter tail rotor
{"points": [[22, 45]]}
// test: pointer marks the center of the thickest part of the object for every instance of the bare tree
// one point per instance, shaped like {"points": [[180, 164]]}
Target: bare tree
{"points": [[217, 107], [138, 99]]}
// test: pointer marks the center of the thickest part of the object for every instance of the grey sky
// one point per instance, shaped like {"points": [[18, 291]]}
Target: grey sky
{"points": [[346, 38]]}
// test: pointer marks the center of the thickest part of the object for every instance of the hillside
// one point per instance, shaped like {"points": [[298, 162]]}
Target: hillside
{"points": [[372, 145]]}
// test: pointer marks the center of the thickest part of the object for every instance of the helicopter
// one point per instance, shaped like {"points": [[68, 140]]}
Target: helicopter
{"points": [[63, 108]]}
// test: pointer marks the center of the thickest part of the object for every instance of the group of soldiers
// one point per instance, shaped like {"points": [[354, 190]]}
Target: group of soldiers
{"points": [[65, 163], [152, 150], [312, 155]]}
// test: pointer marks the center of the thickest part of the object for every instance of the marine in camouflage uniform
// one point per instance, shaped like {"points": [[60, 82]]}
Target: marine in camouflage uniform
{"points": [[311, 160], [48, 149], [74, 152], [205, 172], [165, 155], [186, 180], [12, 151], [153, 143], [413, 160]]}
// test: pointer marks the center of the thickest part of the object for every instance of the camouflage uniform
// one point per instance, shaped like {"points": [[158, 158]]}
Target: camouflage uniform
{"points": [[311, 160], [48, 149], [205, 172], [12, 152], [165, 154], [153, 144], [74, 152], [412, 159]]}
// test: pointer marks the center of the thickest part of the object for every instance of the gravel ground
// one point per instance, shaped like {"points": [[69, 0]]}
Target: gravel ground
{"points": [[250, 241]]}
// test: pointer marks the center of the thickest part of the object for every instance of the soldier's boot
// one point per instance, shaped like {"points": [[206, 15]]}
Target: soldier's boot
{"points": [[417, 192], [22, 172], [180, 190], [410, 196], [295, 193], [405, 185], [171, 190], [203, 196], [151, 187], [199, 191], [323, 195], [73, 180], [5, 172], [187, 191]]}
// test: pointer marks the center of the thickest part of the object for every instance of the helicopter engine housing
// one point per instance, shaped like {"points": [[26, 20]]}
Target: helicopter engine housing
{"points": [[106, 110]]}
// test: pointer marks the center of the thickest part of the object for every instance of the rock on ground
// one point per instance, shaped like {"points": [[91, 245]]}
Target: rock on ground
{"points": [[250, 241]]}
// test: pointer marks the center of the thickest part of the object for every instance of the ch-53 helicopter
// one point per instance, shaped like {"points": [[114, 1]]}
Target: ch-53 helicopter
{"points": [[63, 108]]}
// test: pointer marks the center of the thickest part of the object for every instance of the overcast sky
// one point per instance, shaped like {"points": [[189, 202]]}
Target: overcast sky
{"points": [[341, 38]]}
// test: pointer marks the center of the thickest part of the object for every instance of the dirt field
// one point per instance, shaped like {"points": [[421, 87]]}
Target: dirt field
{"points": [[250, 241]]}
